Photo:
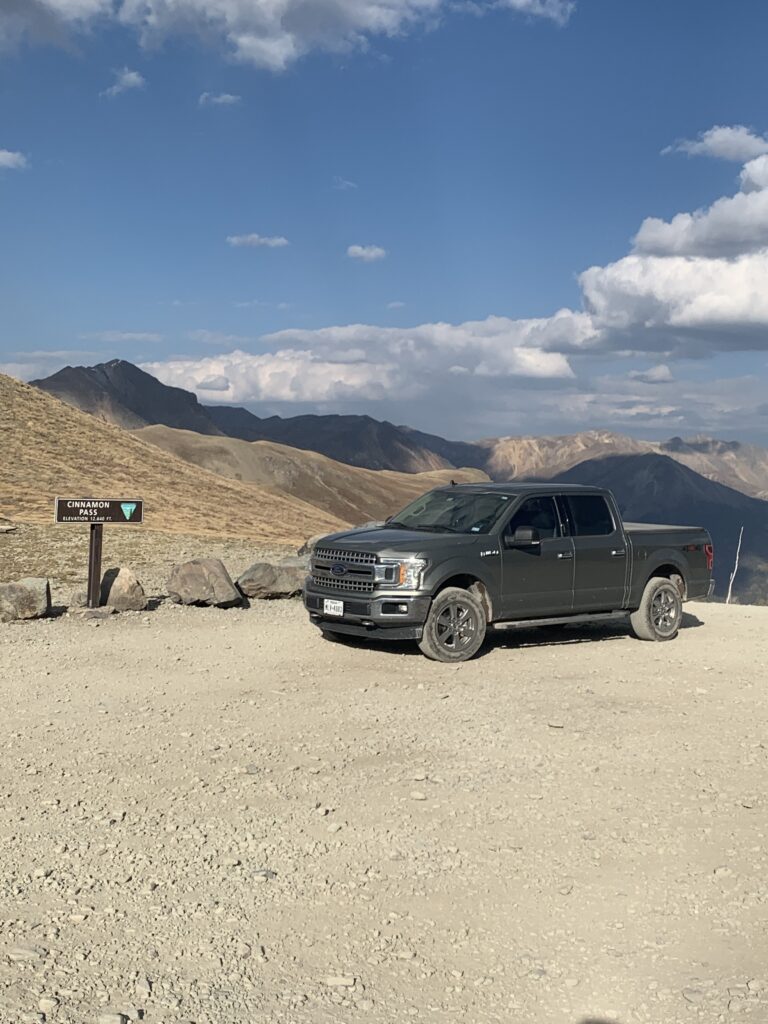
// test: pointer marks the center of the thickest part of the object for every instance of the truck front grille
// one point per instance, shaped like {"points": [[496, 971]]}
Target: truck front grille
{"points": [[344, 570], [352, 557], [349, 585]]}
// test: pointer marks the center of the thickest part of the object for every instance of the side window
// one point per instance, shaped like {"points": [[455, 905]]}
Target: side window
{"points": [[540, 513], [590, 515]]}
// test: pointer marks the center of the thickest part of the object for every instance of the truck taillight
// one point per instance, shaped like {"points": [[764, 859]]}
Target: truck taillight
{"points": [[709, 551]]}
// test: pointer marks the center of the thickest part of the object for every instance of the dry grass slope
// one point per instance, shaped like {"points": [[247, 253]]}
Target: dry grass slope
{"points": [[349, 492], [50, 448]]}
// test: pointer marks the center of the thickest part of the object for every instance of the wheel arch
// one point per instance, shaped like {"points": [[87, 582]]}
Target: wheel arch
{"points": [[472, 582], [668, 569]]}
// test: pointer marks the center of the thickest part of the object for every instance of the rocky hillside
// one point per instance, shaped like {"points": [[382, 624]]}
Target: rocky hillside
{"points": [[120, 393], [348, 492], [51, 449]]}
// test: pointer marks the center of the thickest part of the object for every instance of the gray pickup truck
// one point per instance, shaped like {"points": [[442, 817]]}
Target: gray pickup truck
{"points": [[466, 558]]}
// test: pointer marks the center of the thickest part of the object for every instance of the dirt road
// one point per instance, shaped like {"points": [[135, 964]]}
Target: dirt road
{"points": [[219, 817]]}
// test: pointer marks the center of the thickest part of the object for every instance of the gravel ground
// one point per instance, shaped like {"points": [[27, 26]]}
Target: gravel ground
{"points": [[220, 817]]}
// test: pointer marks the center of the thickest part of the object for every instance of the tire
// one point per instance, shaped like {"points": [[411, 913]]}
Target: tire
{"points": [[660, 613], [455, 627]]}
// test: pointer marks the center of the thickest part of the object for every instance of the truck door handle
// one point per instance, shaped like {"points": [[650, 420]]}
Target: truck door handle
{"points": [[618, 552], [565, 554]]}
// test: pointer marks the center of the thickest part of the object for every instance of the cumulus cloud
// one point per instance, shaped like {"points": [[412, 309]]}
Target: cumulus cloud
{"points": [[726, 142], [217, 382], [366, 253], [218, 99], [125, 81], [257, 241], [731, 225], [267, 33], [11, 161]]}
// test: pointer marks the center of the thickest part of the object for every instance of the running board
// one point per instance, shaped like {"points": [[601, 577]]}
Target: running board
{"points": [[562, 620]]}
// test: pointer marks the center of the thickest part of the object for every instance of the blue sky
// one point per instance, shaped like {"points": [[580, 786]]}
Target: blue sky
{"points": [[481, 158]]}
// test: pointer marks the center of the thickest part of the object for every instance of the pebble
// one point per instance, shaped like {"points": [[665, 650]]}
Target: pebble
{"points": [[113, 1018], [21, 954], [48, 1004], [418, 795], [336, 827], [340, 981], [693, 995]]}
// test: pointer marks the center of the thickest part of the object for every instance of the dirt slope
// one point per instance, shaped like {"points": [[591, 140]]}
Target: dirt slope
{"points": [[349, 492], [219, 817], [50, 448]]}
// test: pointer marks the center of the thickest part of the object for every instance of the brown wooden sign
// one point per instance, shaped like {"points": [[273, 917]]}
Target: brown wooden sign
{"points": [[96, 513], [113, 511]]}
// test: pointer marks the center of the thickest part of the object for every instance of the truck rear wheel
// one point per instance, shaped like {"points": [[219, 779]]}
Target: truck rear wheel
{"points": [[455, 627], [660, 613]]}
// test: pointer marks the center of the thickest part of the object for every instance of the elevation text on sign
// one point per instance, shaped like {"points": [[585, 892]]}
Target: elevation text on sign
{"points": [[99, 510]]}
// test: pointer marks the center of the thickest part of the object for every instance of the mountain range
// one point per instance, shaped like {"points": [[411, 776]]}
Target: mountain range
{"points": [[122, 393], [357, 468]]}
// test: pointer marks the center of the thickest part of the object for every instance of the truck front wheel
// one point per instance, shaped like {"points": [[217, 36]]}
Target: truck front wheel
{"points": [[455, 627], [660, 612]]}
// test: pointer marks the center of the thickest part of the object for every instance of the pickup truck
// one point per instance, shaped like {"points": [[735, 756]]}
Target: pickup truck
{"points": [[466, 558]]}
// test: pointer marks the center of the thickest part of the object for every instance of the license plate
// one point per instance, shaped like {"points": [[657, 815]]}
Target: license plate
{"points": [[333, 607]]}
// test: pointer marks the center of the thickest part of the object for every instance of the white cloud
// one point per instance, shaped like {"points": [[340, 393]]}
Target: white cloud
{"points": [[660, 374], [366, 253], [116, 337], [268, 33], [731, 225], [218, 99], [396, 304], [11, 161], [657, 296], [343, 185], [125, 81], [215, 383], [754, 174], [255, 241], [726, 142]]}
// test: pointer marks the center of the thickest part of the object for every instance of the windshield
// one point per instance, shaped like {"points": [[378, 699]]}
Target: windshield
{"points": [[452, 512]]}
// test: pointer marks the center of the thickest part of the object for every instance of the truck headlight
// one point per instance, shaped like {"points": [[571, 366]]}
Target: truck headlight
{"points": [[396, 572]]}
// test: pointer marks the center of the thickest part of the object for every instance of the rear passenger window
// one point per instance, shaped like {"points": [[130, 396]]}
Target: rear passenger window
{"points": [[590, 515]]}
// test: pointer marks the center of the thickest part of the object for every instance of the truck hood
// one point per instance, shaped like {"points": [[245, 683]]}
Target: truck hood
{"points": [[385, 540]]}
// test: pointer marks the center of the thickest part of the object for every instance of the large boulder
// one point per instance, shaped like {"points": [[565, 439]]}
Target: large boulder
{"points": [[27, 599], [203, 581], [267, 581], [121, 590]]}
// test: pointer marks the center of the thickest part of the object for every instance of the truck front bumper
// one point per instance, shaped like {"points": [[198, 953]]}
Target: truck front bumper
{"points": [[384, 615]]}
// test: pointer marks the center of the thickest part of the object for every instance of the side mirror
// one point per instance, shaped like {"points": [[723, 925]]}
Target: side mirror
{"points": [[524, 537]]}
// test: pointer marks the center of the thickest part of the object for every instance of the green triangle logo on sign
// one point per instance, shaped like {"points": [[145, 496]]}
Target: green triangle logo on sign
{"points": [[128, 509]]}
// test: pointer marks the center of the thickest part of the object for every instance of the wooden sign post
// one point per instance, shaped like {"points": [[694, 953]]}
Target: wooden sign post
{"points": [[97, 512]]}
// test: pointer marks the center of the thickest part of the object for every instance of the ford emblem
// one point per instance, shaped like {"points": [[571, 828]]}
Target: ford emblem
{"points": [[338, 569]]}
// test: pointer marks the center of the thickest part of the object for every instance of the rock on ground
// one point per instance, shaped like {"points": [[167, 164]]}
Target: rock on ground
{"points": [[27, 599], [203, 581], [264, 580], [121, 590]]}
